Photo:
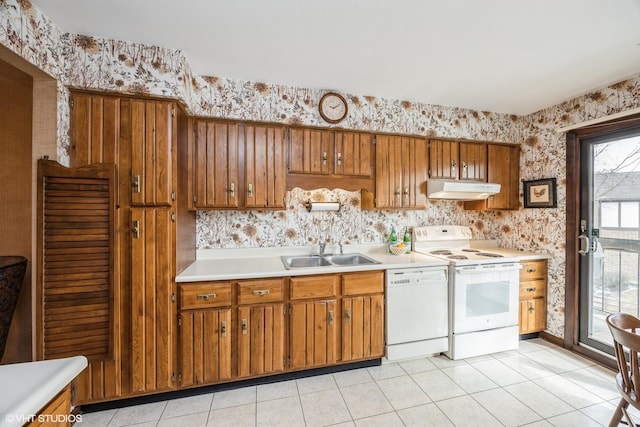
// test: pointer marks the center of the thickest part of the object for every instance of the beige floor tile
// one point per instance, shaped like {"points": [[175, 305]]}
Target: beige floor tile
{"points": [[318, 383], [601, 412], [526, 366], [191, 420], [324, 408], [573, 419], [553, 362], [417, 365], [138, 414], [277, 390], [464, 411], [568, 391], [596, 384], [97, 419], [236, 416], [188, 405], [386, 370], [280, 412], [443, 362], [437, 385], [365, 400], [540, 400], [235, 397], [469, 378], [424, 415], [506, 408], [403, 392], [354, 376], [498, 372], [390, 419]]}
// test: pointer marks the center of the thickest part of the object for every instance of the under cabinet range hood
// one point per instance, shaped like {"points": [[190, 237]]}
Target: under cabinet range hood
{"points": [[461, 190]]}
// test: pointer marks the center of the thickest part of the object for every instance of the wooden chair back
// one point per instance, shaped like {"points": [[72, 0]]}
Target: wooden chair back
{"points": [[626, 342]]}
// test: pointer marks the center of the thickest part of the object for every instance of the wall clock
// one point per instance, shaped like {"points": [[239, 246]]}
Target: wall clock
{"points": [[333, 107]]}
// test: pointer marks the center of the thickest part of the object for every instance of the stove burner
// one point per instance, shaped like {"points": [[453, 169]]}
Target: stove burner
{"points": [[441, 252], [457, 257], [470, 250], [489, 255]]}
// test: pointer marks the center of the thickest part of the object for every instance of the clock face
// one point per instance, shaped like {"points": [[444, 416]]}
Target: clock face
{"points": [[333, 107]]}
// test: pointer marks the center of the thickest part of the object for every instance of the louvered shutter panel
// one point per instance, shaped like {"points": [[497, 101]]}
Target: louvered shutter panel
{"points": [[76, 210]]}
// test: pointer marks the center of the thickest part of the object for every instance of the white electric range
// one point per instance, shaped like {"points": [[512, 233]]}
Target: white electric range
{"points": [[483, 291]]}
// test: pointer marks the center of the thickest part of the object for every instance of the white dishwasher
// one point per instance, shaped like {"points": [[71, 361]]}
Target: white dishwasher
{"points": [[417, 312]]}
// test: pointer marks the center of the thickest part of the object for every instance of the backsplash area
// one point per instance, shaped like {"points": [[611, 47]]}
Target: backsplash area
{"points": [[295, 226]]}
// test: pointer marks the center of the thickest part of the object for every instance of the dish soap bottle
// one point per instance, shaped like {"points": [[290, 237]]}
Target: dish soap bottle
{"points": [[407, 240], [393, 238]]}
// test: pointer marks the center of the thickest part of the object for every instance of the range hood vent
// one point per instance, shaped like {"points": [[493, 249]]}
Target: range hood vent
{"points": [[461, 190]]}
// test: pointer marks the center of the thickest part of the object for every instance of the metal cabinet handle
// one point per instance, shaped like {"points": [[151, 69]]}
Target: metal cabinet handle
{"points": [[453, 164], [136, 183], [330, 317], [531, 289], [260, 292], [464, 165], [347, 314], [223, 328], [232, 189], [250, 190], [244, 326], [206, 297], [531, 270], [398, 191], [135, 229], [406, 191], [339, 159], [324, 157], [531, 308]]}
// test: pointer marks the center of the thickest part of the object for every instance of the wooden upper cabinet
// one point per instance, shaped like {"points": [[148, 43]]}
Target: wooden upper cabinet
{"points": [[215, 175], [401, 172], [95, 129], [504, 169], [352, 154], [330, 152], [310, 151], [457, 160], [150, 126], [264, 167]]}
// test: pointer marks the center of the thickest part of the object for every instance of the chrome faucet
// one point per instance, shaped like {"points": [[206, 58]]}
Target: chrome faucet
{"points": [[322, 245]]}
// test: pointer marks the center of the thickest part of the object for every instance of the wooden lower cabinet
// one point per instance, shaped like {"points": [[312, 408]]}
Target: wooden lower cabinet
{"points": [[261, 339], [533, 296]]}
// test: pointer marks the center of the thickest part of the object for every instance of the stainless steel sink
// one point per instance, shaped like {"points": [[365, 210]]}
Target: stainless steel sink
{"points": [[350, 259], [309, 261]]}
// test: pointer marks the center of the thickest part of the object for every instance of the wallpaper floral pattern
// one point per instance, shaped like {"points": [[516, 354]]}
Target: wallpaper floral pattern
{"points": [[79, 61]]}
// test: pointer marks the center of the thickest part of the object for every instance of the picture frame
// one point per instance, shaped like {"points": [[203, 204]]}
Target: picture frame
{"points": [[540, 193]]}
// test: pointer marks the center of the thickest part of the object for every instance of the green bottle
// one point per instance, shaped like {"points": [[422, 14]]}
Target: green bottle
{"points": [[393, 238], [407, 240]]}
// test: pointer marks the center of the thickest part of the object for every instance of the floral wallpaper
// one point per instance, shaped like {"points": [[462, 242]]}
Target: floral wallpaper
{"points": [[80, 61]]}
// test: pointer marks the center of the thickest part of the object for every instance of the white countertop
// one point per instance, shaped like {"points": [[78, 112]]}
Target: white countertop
{"points": [[26, 388], [251, 263]]}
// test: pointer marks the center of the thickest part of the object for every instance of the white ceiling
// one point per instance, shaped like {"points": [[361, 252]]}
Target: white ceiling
{"points": [[503, 56]]}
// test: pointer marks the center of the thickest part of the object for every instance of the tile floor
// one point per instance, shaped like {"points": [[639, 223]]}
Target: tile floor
{"points": [[539, 384]]}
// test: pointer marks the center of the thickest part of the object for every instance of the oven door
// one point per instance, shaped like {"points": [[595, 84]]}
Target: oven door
{"points": [[485, 296]]}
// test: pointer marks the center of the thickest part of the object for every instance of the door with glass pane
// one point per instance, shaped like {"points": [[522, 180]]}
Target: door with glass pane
{"points": [[609, 242]]}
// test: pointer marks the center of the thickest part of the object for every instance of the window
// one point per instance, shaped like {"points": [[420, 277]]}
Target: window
{"points": [[620, 214]]}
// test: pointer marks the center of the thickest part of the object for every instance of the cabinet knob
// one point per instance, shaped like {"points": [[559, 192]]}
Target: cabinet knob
{"points": [[339, 159], [135, 230], [223, 328], [324, 157], [453, 164], [531, 289], [232, 189], [347, 314], [136, 183], [531, 270], [330, 317], [250, 190], [244, 327]]}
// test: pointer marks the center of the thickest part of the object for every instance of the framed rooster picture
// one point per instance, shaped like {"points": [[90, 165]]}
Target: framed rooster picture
{"points": [[540, 193]]}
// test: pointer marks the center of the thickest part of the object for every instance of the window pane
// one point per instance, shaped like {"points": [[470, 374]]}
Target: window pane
{"points": [[609, 214], [629, 214]]}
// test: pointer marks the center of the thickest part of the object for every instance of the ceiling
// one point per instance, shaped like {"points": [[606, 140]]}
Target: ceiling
{"points": [[495, 55]]}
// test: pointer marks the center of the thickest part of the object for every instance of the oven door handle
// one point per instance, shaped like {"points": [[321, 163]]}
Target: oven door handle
{"points": [[489, 267]]}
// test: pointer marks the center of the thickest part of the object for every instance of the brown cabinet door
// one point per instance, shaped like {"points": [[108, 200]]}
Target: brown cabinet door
{"points": [[504, 169], [261, 339], [150, 126], [473, 161], [353, 154], [215, 174], [264, 162], [152, 311], [443, 159], [313, 334], [533, 315], [362, 327], [310, 151], [414, 192], [205, 346]]}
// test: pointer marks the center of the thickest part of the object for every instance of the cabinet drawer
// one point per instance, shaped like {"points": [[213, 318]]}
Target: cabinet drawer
{"points": [[533, 289], [205, 295], [533, 270], [257, 291], [314, 287], [363, 283]]}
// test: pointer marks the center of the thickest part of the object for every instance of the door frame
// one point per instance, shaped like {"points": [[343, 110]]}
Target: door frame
{"points": [[572, 273]]}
